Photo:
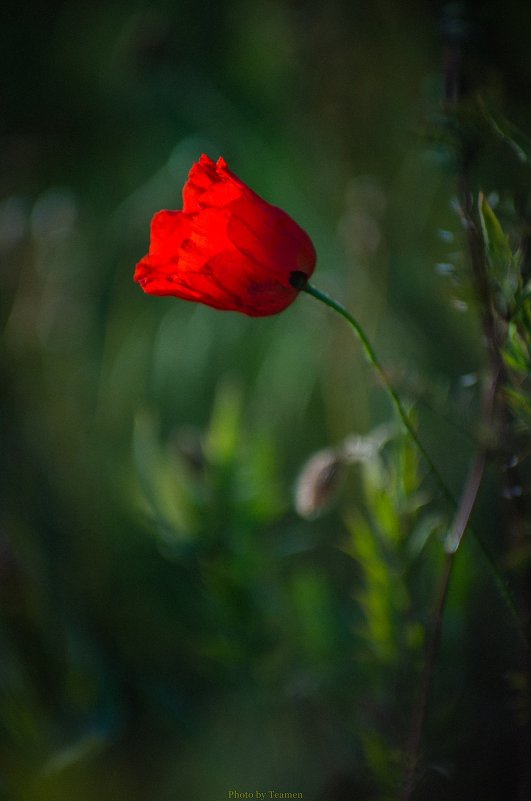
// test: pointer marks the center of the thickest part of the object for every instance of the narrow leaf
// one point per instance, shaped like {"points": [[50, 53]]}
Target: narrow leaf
{"points": [[496, 243], [516, 140]]}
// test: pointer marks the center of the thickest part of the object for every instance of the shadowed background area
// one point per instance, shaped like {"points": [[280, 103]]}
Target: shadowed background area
{"points": [[170, 627]]}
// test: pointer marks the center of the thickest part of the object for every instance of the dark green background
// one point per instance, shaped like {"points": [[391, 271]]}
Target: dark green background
{"points": [[170, 628]]}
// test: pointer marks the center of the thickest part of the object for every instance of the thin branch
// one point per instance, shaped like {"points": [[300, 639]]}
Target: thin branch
{"points": [[391, 391], [459, 526], [417, 726]]}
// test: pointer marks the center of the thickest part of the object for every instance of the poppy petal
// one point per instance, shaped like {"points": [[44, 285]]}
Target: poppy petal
{"points": [[201, 178], [228, 248]]}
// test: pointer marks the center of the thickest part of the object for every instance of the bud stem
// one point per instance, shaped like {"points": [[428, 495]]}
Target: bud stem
{"points": [[375, 362]]}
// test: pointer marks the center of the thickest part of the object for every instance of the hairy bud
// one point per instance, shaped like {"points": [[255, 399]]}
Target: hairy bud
{"points": [[321, 476], [318, 482]]}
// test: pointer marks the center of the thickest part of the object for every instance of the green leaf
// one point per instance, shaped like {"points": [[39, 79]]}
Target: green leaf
{"points": [[517, 141], [520, 404], [224, 433], [516, 352], [380, 594], [164, 489], [497, 245]]}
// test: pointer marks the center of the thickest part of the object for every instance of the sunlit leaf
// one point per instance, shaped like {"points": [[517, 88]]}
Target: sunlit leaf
{"points": [[520, 403], [516, 352], [496, 242], [164, 488], [224, 433], [510, 134]]}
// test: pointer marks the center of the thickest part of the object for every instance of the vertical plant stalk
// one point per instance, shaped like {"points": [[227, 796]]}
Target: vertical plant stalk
{"points": [[457, 531], [419, 718], [453, 541], [500, 415], [454, 89], [462, 517], [478, 262]]}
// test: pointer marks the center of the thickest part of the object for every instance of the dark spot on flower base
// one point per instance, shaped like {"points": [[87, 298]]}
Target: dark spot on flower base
{"points": [[298, 279]]}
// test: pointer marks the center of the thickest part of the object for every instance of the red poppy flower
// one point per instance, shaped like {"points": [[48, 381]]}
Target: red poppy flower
{"points": [[227, 248]]}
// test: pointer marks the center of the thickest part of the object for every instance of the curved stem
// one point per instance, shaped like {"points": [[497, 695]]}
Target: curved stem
{"points": [[459, 526], [375, 362]]}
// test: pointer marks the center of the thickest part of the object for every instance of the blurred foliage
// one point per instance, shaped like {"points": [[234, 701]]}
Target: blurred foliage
{"points": [[170, 627]]}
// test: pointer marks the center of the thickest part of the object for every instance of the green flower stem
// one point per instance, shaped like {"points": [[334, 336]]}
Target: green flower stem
{"points": [[375, 362]]}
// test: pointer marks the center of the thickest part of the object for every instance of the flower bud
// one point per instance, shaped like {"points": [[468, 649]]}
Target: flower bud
{"points": [[318, 482]]}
